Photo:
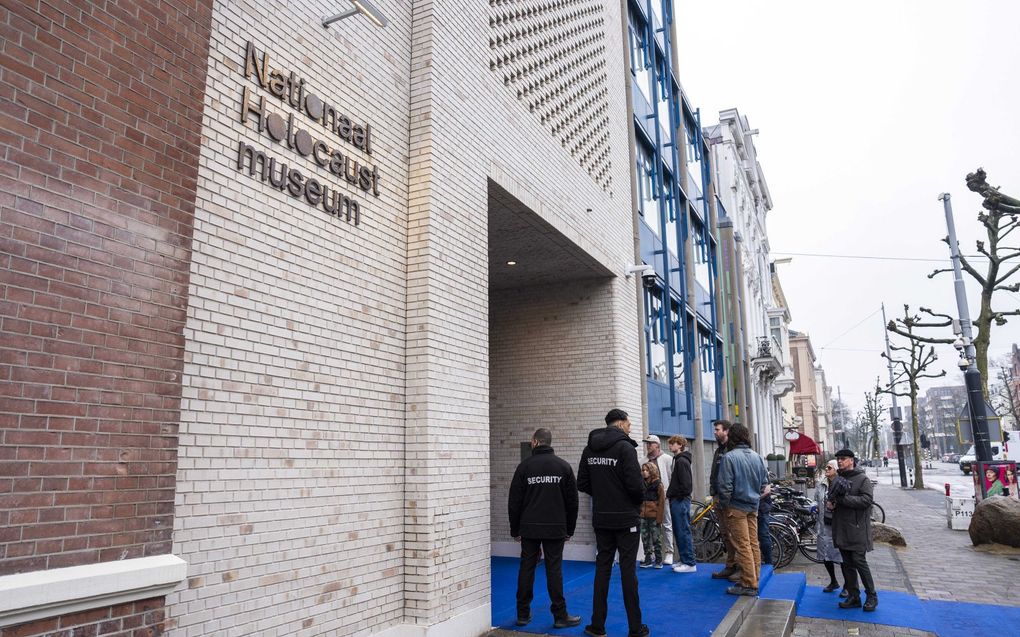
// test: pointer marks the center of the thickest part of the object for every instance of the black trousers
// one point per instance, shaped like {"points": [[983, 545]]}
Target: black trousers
{"points": [[608, 542], [530, 551], [855, 562]]}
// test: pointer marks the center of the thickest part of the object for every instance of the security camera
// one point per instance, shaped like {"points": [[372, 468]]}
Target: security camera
{"points": [[959, 344], [963, 363]]}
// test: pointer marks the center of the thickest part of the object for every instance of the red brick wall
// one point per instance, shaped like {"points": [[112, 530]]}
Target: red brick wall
{"points": [[138, 619], [100, 121]]}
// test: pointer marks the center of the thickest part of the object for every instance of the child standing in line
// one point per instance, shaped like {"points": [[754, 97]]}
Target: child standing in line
{"points": [[652, 510]]}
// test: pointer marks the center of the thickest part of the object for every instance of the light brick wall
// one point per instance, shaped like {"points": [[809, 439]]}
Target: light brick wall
{"points": [[292, 439], [290, 500], [550, 366]]}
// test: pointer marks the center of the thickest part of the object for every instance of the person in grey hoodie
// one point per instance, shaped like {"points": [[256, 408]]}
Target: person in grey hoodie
{"points": [[609, 472], [742, 478]]}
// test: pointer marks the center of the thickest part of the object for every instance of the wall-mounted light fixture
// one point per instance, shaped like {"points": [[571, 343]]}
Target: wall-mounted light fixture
{"points": [[363, 7], [644, 270]]}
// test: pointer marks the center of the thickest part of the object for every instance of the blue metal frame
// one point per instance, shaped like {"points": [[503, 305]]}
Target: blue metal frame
{"points": [[674, 205]]}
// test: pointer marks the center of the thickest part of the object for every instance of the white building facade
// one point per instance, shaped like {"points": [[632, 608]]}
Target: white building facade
{"points": [[763, 347]]}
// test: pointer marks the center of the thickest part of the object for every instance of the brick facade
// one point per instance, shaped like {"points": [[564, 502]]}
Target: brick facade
{"points": [[100, 108], [133, 619]]}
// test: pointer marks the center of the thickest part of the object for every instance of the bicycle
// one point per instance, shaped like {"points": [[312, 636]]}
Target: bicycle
{"points": [[708, 542]]}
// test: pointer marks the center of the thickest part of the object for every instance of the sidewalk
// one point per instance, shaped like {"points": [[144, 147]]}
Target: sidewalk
{"points": [[938, 564]]}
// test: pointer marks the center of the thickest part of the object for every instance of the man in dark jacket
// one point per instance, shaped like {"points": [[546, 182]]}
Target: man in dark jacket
{"points": [[851, 531], [543, 513], [721, 429], [609, 472], [681, 485]]}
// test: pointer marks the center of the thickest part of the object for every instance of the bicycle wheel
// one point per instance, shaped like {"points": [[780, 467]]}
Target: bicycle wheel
{"points": [[786, 537], [708, 542], [877, 513], [809, 550], [778, 553]]}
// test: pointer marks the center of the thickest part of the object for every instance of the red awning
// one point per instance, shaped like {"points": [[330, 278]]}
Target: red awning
{"points": [[804, 446]]}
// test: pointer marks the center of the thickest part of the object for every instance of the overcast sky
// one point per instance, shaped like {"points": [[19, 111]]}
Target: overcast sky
{"points": [[866, 112]]}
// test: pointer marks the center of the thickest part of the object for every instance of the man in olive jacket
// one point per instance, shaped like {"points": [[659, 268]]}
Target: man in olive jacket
{"points": [[851, 529], [543, 513], [609, 472]]}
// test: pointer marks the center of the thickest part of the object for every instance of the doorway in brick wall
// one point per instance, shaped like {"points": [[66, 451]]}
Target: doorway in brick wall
{"points": [[551, 334]]}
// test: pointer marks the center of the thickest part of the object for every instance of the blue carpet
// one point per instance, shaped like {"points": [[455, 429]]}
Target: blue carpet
{"points": [[694, 604], [946, 619], [680, 605]]}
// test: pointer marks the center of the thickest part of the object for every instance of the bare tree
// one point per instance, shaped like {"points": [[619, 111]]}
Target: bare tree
{"points": [[868, 418], [1004, 395], [910, 363], [1000, 218]]}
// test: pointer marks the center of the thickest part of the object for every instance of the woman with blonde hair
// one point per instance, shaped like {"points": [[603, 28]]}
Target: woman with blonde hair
{"points": [[827, 553]]}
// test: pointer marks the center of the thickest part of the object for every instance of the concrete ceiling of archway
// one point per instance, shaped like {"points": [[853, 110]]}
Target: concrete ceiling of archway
{"points": [[543, 255]]}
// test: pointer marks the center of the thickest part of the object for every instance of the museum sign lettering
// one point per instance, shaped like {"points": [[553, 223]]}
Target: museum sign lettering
{"points": [[313, 129]]}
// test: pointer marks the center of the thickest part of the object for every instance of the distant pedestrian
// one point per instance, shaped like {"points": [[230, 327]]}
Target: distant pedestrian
{"points": [[681, 485], [851, 530], [609, 472], [824, 549], [652, 508], [653, 450], [742, 479], [721, 429], [543, 513]]}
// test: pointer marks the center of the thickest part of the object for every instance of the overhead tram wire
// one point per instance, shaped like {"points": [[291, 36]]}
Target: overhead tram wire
{"points": [[868, 257], [852, 328], [877, 258]]}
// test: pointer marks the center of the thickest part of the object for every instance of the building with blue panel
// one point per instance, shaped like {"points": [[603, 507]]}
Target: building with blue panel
{"points": [[676, 226]]}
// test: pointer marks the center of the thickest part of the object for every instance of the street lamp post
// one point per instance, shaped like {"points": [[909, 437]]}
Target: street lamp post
{"points": [[965, 345]]}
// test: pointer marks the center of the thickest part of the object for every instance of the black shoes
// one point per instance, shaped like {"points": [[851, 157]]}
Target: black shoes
{"points": [[843, 594], [852, 601], [831, 587], [871, 603], [725, 573], [523, 620], [742, 590], [567, 621], [591, 632], [642, 632]]}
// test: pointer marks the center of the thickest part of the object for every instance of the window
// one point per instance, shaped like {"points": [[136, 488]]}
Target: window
{"points": [[693, 148], [706, 349], [640, 56], [655, 336], [648, 205], [703, 254], [679, 368]]}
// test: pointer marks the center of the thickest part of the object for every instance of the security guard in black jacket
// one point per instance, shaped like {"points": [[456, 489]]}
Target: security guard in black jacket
{"points": [[543, 514], [610, 474]]}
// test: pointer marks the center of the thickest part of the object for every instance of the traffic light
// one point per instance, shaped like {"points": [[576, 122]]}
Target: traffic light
{"points": [[925, 443]]}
